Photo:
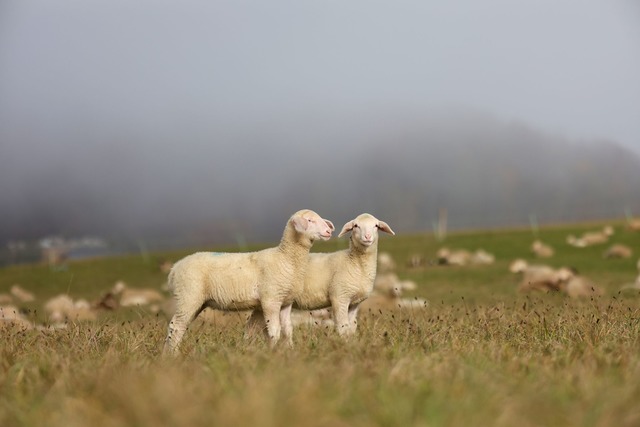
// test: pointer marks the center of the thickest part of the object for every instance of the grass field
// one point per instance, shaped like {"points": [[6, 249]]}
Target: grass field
{"points": [[480, 354]]}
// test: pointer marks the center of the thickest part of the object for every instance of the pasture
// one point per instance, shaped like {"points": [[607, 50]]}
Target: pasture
{"points": [[480, 354]]}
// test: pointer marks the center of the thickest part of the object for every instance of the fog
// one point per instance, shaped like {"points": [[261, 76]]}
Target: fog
{"points": [[198, 122]]}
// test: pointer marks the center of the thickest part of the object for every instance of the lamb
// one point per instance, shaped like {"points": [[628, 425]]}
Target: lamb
{"points": [[242, 281], [340, 280]]}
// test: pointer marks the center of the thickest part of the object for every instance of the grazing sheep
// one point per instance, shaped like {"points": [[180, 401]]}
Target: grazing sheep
{"points": [[618, 251], [541, 250], [242, 281], [129, 297], [21, 294], [340, 280]]}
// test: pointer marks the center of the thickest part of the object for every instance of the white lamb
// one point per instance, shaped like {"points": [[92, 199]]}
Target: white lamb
{"points": [[243, 281], [340, 280]]}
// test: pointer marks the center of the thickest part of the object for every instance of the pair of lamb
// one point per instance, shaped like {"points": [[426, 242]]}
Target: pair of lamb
{"points": [[273, 281]]}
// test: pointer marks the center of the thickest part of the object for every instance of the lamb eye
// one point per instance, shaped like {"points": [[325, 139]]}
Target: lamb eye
{"points": [[355, 225]]}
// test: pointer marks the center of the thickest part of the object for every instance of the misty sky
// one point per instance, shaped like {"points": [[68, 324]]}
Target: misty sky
{"points": [[88, 88], [161, 67]]}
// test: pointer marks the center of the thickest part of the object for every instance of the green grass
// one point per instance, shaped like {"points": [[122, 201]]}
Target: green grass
{"points": [[481, 354]]}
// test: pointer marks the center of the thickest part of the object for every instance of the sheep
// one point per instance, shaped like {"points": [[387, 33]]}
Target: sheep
{"points": [[541, 250], [462, 257], [481, 257], [390, 285], [241, 281], [340, 280], [577, 287], [591, 238], [380, 302], [618, 251], [416, 261], [633, 224], [457, 257], [21, 294], [539, 277], [385, 262], [128, 297], [62, 307]]}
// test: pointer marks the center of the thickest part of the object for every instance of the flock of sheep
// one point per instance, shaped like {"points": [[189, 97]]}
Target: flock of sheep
{"points": [[279, 287]]}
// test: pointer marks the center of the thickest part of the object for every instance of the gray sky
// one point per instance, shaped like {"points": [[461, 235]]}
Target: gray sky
{"points": [[159, 68]]}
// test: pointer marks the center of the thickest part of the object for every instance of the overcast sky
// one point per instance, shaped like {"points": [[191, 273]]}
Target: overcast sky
{"points": [[128, 112], [72, 69]]}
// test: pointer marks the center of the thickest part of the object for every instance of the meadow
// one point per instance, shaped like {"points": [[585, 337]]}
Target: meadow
{"points": [[480, 354]]}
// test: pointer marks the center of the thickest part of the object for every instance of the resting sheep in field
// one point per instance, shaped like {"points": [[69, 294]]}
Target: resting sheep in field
{"points": [[541, 250], [62, 307], [340, 280], [129, 297], [591, 238], [539, 277], [243, 281], [578, 287], [618, 251]]}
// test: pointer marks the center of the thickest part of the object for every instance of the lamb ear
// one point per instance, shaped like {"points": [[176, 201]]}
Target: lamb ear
{"points": [[300, 224], [330, 224], [347, 227], [383, 226]]}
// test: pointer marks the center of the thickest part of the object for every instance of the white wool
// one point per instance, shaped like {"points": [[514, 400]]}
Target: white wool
{"points": [[340, 280], [241, 281]]}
